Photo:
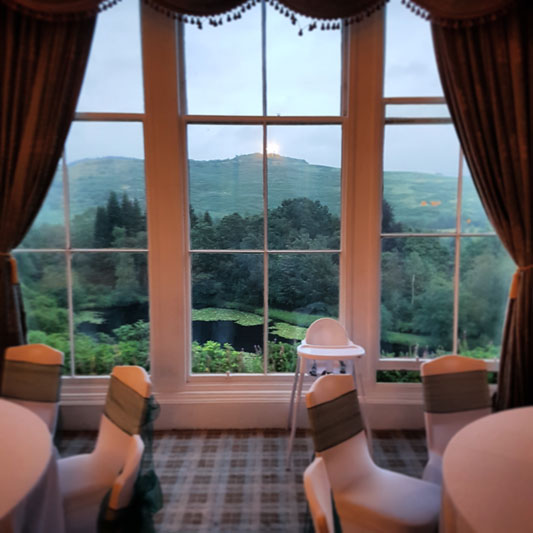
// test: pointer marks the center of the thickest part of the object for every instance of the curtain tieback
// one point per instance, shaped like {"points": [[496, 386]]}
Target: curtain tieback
{"points": [[14, 270], [513, 291]]}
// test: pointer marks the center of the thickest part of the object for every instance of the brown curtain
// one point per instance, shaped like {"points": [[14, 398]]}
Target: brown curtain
{"points": [[41, 67], [59, 10], [454, 12], [487, 76]]}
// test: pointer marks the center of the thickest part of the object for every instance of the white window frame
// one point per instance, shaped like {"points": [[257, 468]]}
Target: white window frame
{"points": [[251, 400], [166, 176], [404, 363]]}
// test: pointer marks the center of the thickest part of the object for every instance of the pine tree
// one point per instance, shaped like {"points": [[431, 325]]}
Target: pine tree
{"points": [[102, 233], [113, 211], [193, 218], [137, 219]]}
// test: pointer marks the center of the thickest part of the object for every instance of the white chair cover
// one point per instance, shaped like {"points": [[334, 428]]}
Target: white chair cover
{"points": [[32, 378], [462, 397], [367, 497], [113, 465], [318, 493]]}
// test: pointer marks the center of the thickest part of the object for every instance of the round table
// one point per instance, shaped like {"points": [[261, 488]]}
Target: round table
{"points": [[29, 489], [488, 475]]}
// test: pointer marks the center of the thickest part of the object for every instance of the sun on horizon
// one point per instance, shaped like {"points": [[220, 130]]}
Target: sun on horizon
{"points": [[272, 148]]}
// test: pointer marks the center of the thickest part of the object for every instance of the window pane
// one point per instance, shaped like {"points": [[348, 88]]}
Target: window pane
{"points": [[417, 111], [420, 178], [48, 228], [303, 72], [473, 217], [416, 296], [223, 67], [304, 193], [225, 187], [410, 66], [113, 80], [398, 376], [227, 298], [110, 292], [302, 288], [486, 273], [44, 290], [106, 180]]}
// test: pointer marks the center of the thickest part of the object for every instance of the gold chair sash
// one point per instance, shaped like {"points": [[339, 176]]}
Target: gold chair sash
{"points": [[335, 421], [125, 407], [32, 382], [458, 391]]}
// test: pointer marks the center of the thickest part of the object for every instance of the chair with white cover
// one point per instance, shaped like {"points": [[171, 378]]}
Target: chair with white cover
{"points": [[32, 378], [456, 392], [367, 498], [110, 470], [318, 494]]}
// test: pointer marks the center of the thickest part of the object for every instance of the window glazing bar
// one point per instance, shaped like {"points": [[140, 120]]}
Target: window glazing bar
{"points": [[267, 250], [258, 119], [449, 234], [417, 120], [109, 117], [410, 100]]}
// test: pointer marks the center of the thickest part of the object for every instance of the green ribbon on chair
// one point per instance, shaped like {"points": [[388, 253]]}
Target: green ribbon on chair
{"points": [[125, 407], [457, 391], [335, 421], [32, 382]]}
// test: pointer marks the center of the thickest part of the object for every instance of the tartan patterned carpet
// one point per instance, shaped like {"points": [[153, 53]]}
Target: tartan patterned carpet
{"points": [[235, 481]]}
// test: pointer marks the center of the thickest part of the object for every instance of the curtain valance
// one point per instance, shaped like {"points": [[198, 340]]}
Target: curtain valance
{"points": [[459, 12], [59, 10], [445, 12]]}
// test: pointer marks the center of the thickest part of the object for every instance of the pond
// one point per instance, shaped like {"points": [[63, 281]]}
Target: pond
{"points": [[244, 338], [114, 317], [240, 337]]}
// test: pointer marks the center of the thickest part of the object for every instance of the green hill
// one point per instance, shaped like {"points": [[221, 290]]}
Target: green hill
{"points": [[227, 186], [90, 182], [425, 202]]}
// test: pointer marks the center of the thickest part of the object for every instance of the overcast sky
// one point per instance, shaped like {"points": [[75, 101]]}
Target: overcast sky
{"points": [[224, 77]]}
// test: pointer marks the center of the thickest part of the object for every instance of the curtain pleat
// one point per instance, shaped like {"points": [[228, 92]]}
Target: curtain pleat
{"points": [[41, 67], [487, 76]]}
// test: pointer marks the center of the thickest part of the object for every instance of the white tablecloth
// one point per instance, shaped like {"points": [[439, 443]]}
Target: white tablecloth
{"points": [[488, 475], [30, 499]]}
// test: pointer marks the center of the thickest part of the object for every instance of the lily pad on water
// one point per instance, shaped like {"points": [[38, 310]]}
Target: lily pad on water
{"points": [[288, 331], [213, 314]]}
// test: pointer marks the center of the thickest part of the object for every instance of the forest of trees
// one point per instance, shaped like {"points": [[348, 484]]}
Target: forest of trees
{"points": [[110, 290], [417, 293]]}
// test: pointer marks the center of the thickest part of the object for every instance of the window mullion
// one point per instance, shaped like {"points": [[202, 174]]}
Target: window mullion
{"points": [[265, 190], [68, 261], [457, 262], [166, 188], [362, 145], [265, 251]]}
